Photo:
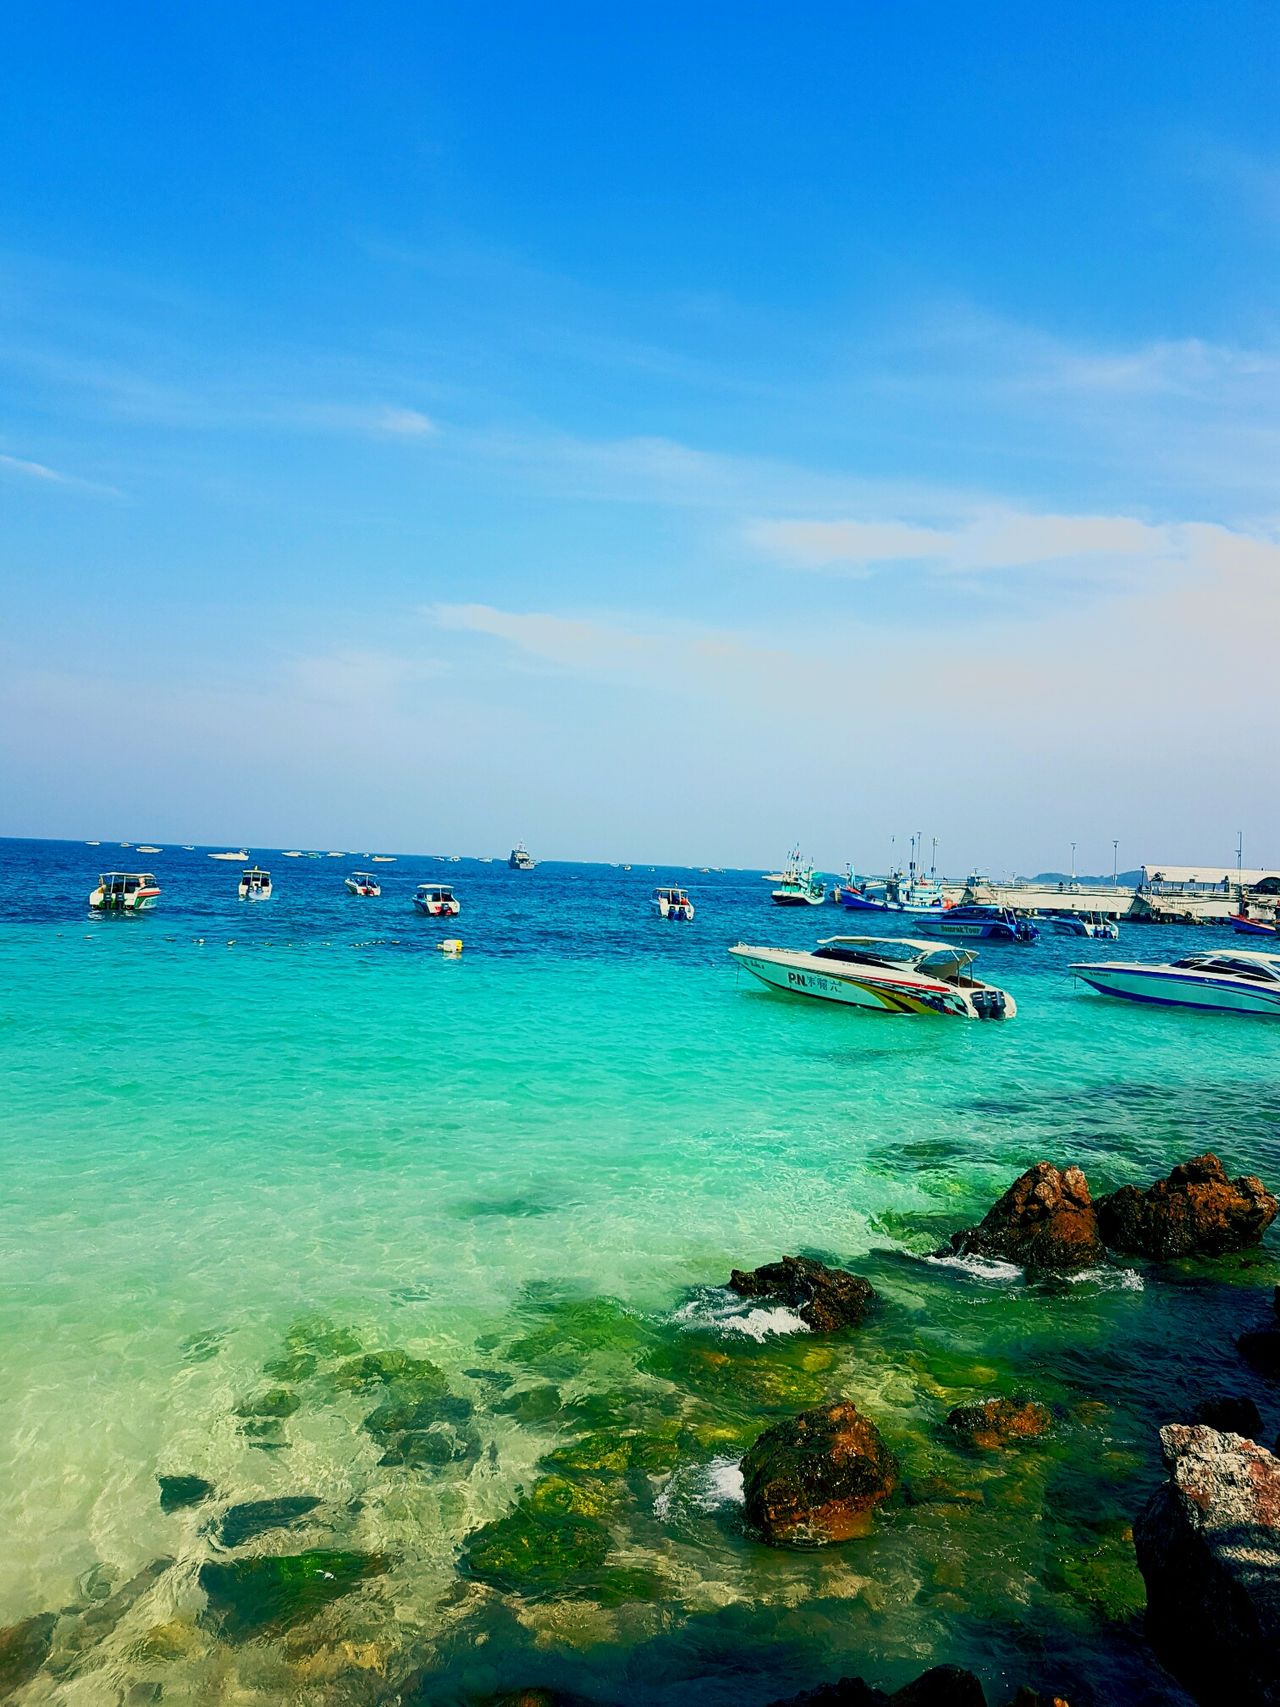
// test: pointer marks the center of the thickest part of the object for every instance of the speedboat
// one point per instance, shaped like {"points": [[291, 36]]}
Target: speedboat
{"points": [[255, 884], [125, 892], [1096, 925], [520, 859], [799, 885], [991, 924], [1243, 925], [437, 900], [363, 883], [240, 856], [383, 859], [1238, 981], [891, 974], [673, 904], [141, 849]]}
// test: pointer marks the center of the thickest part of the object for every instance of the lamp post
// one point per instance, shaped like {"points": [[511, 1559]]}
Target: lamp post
{"points": [[1073, 865], [1115, 862]]}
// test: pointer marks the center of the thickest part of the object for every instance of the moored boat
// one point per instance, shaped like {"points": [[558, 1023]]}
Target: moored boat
{"points": [[1237, 980], [673, 904], [799, 885], [437, 900], [1096, 925], [239, 856], [255, 884], [1245, 925], [125, 892], [886, 974], [363, 883], [520, 859], [986, 923]]}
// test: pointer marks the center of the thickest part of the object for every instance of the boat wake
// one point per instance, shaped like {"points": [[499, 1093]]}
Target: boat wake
{"points": [[719, 1311]]}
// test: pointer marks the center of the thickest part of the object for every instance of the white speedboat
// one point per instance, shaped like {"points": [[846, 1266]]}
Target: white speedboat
{"points": [[437, 900], [673, 904], [1096, 925], [255, 884], [383, 859], [125, 892], [141, 849], [363, 883], [240, 856], [521, 859], [1236, 980], [889, 974], [799, 885]]}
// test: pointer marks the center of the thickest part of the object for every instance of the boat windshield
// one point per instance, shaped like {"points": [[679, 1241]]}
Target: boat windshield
{"points": [[1263, 969]]}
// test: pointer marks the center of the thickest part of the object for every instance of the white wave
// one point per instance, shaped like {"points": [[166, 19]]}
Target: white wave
{"points": [[1109, 1279], [990, 1269], [703, 1488], [724, 1312]]}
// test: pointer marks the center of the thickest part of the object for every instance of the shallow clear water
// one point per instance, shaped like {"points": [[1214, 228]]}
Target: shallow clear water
{"points": [[534, 1165]]}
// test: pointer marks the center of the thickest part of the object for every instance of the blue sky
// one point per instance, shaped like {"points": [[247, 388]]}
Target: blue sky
{"points": [[655, 435]]}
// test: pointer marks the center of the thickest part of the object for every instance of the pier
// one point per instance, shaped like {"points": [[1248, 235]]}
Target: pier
{"points": [[1182, 895]]}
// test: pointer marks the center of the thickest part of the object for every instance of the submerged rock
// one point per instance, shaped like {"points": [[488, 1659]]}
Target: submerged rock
{"points": [[811, 1479], [1230, 1415], [995, 1422], [178, 1492], [942, 1686], [1045, 1223], [1196, 1211], [535, 1550], [1208, 1547], [24, 1648], [242, 1522], [254, 1597], [825, 1299], [296, 1366], [378, 1368], [1261, 1349], [275, 1403], [319, 1335]]}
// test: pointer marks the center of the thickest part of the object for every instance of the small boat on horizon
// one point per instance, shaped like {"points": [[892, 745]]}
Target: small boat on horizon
{"points": [[240, 856], [125, 892], [520, 859], [1238, 980], [363, 883], [437, 900], [255, 884], [673, 904], [382, 859], [141, 849], [886, 974]]}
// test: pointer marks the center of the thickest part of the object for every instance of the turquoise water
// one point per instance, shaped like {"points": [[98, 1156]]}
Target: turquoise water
{"points": [[534, 1166]]}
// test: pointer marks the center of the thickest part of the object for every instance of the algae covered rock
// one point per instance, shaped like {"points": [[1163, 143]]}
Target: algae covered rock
{"points": [[275, 1403], [1208, 1546], [24, 1648], [319, 1335], [241, 1523], [826, 1299], [377, 1368], [811, 1479], [254, 1597], [993, 1423], [178, 1492], [1045, 1223], [537, 1551], [294, 1366], [1196, 1211], [421, 1425]]}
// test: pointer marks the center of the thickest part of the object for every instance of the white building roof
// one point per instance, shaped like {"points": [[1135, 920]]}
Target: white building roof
{"points": [[1207, 874]]}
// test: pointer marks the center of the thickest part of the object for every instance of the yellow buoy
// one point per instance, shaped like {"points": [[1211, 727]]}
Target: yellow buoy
{"points": [[451, 945]]}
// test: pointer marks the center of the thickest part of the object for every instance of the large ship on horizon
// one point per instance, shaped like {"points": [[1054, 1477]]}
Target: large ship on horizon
{"points": [[521, 859]]}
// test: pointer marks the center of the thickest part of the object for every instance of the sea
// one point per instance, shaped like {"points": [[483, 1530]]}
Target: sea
{"points": [[434, 1249]]}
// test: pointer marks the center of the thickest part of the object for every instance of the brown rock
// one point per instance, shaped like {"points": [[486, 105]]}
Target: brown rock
{"points": [[23, 1650], [826, 1299], [1197, 1211], [995, 1422], [1045, 1223], [812, 1478], [1208, 1546]]}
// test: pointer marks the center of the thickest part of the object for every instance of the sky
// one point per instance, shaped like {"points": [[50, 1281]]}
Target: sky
{"points": [[657, 433]]}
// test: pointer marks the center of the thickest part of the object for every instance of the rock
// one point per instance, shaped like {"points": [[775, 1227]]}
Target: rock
{"points": [[1229, 1415], [1261, 1349], [242, 1522], [536, 1551], [1208, 1547], [826, 1299], [378, 1368], [178, 1492], [995, 1422], [24, 1648], [254, 1597], [530, 1405], [296, 1366], [811, 1479], [1045, 1223], [943, 1686], [1033, 1698], [1196, 1211], [274, 1403], [319, 1335]]}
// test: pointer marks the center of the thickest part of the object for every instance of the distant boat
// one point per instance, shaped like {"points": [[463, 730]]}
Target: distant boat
{"points": [[141, 849], [888, 974], [799, 885], [294, 853], [990, 924], [673, 904], [1243, 925], [93, 844], [363, 883], [239, 857], [188, 847], [1096, 925], [437, 900], [1238, 980], [255, 884], [383, 859], [521, 859], [334, 853], [125, 892]]}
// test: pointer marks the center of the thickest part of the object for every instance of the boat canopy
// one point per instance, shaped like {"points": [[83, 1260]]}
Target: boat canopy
{"points": [[433, 891], [126, 881], [363, 877], [932, 957], [671, 894], [254, 871], [1239, 963]]}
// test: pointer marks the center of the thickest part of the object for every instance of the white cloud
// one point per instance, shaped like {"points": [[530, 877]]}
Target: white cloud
{"points": [[24, 468]]}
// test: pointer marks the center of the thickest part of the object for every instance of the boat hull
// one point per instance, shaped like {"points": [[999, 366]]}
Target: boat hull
{"points": [[127, 904], [1253, 927], [1165, 988], [859, 990], [438, 909]]}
